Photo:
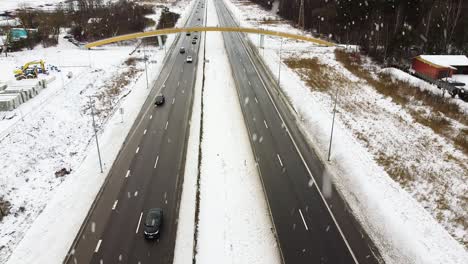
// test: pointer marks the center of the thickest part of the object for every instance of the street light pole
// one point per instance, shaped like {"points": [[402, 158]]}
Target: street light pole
{"points": [[279, 64], [146, 67], [91, 105], [333, 125]]}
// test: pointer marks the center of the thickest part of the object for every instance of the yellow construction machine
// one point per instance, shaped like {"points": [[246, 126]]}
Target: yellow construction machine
{"points": [[30, 70]]}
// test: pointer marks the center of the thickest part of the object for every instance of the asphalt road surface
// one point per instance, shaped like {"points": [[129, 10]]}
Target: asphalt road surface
{"points": [[310, 228], [148, 171]]}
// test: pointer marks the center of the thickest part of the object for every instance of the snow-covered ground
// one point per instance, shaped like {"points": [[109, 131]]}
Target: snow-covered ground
{"points": [[56, 133], [11, 5], [406, 221], [234, 223]]}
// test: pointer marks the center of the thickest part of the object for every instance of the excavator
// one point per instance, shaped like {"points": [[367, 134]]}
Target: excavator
{"points": [[27, 72]]}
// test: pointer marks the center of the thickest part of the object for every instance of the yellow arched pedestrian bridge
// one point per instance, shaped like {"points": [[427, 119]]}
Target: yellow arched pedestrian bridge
{"points": [[167, 31]]}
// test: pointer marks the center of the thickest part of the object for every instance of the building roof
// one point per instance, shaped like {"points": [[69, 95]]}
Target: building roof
{"points": [[444, 61]]}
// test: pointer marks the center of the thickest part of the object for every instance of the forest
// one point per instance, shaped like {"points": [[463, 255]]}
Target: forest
{"points": [[391, 31]]}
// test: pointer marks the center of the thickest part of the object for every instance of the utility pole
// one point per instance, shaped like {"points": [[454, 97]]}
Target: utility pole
{"points": [[300, 22], [279, 64], [146, 67], [333, 125], [91, 105]]}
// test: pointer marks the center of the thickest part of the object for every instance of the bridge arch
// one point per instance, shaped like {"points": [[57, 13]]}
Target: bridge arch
{"points": [[167, 31]]}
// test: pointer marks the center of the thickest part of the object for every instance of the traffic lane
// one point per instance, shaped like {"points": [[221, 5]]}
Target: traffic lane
{"points": [[364, 249], [288, 161], [167, 174], [129, 202], [141, 248], [93, 228], [278, 162], [137, 170]]}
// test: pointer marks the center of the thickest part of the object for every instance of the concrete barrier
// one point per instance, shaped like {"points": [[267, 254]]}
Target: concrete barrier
{"points": [[12, 95]]}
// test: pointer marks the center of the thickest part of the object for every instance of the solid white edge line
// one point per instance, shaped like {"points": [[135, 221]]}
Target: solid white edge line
{"points": [[279, 158], [156, 163], [303, 220], [302, 158], [139, 221], [128, 173], [98, 246], [115, 204]]}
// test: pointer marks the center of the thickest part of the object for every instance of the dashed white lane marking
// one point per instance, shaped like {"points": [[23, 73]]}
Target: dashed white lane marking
{"points": [[173, 100], [265, 123], [279, 158], [139, 221], [167, 123], [144, 132], [303, 220], [115, 204], [250, 84], [151, 116], [156, 163], [137, 150], [98, 246], [256, 100], [128, 174], [183, 91], [178, 84]]}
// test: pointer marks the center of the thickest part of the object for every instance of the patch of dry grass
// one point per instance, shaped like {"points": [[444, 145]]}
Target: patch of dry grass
{"points": [[310, 68]]}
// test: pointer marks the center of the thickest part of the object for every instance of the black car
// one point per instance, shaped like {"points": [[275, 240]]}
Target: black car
{"points": [[160, 100], [153, 223], [188, 34], [194, 42]]}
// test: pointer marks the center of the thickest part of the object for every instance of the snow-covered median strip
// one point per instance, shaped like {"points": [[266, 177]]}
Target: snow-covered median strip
{"points": [[234, 225]]}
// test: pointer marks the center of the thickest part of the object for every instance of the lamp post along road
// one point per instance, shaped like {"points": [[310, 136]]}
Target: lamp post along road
{"points": [[146, 67], [333, 125], [91, 105], [279, 64]]}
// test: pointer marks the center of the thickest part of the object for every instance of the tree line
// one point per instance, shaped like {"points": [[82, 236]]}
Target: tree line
{"points": [[391, 31]]}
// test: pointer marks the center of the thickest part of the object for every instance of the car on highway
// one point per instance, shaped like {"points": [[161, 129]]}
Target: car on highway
{"points": [[189, 59], [195, 37], [188, 34], [153, 223], [194, 41], [182, 50], [160, 99]]}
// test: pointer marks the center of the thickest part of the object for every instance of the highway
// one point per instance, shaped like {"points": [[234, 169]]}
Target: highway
{"points": [[148, 171], [309, 227]]}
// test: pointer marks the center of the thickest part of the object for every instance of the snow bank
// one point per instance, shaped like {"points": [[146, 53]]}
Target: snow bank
{"points": [[234, 224]]}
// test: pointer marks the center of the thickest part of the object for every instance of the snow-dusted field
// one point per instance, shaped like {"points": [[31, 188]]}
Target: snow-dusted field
{"points": [[234, 224], [406, 221], [57, 133], [14, 4]]}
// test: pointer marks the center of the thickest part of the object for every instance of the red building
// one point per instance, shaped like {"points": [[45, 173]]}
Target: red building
{"points": [[440, 66]]}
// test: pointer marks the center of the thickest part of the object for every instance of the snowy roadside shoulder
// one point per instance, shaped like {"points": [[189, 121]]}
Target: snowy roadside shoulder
{"points": [[59, 215], [402, 229], [234, 223]]}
